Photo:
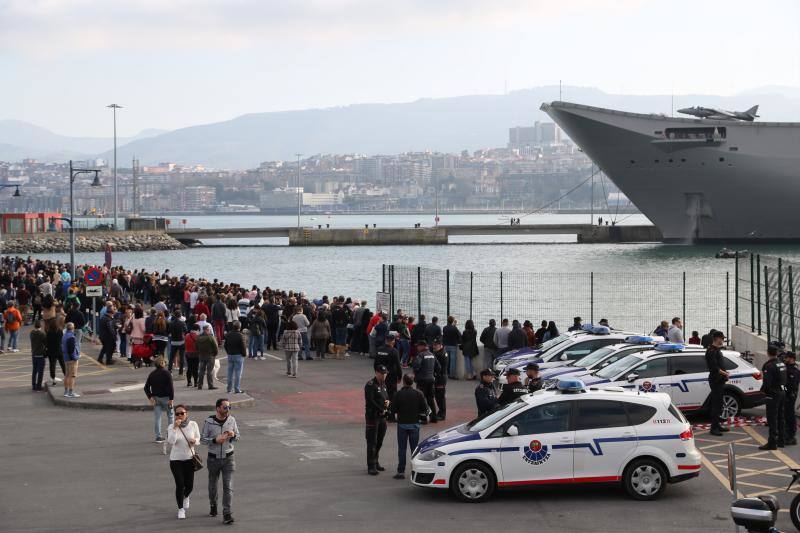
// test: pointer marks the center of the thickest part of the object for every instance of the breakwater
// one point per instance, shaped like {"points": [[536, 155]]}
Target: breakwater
{"points": [[88, 241]]}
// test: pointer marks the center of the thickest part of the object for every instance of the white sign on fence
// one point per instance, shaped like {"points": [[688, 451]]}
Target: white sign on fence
{"points": [[382, 301]]}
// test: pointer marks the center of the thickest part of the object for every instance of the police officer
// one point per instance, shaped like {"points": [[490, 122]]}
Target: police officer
{"points": [[533, 382], [513, 389], [717, 376], [774, 372], [792, 382], [386, 355], [376, 403], [485, 395], [440, 385], [426, 367]]}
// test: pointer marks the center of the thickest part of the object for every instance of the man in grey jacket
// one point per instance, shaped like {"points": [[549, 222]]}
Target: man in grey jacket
{"points": [[219, 433]]}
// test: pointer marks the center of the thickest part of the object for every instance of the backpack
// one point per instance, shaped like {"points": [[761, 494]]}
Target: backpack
{"points": [[11, 317]]}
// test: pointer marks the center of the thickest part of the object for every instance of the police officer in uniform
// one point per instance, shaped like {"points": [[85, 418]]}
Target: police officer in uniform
{"points": [[792, 382], [513, 389], [533, 382], [485, 395], [440, 385], [426, 367], [386, 355], [717, 376], [774, 372], [376, 403]]}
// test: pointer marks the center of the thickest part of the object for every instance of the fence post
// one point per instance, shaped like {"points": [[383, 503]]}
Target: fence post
{"points": [[728, 305], [383, 278], [758, 282], [791, 306], [752, 296], [501, 296], [391, 293], [448, 292], [419, 292], [685, 318], [736, 288], [780, 299], [470, 295], [766, 300], [591, 297]]}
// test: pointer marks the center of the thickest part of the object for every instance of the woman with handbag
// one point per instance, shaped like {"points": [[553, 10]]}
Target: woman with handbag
{"points": [[183, 461]]}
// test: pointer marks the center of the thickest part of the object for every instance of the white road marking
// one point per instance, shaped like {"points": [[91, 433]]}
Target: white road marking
{"points": [[127, 387], [297, 438]]}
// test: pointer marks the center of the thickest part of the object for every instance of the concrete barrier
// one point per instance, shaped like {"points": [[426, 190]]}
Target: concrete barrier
{"points": [[744, 340], [366, 236]]}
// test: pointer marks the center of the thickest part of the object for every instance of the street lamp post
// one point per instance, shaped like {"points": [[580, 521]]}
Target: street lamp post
{"points": [[114, 108], [299, 194], [73, 173]]}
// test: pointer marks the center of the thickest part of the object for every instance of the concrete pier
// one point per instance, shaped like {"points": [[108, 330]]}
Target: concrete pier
{"points": [[367, 236]]}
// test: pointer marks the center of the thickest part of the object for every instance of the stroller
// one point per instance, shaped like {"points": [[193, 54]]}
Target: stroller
{"points": [[143, 353]]}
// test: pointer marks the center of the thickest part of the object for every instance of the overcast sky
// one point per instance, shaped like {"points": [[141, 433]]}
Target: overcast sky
{"points": [[174, 63]]}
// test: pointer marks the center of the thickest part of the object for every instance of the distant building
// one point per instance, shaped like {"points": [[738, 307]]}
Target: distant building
{"points": [[522, 136], [322, 199], [199, 197]]}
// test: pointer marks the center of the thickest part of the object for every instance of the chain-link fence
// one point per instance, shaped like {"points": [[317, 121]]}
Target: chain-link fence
{"points": [[635, 302], [767, 293]]}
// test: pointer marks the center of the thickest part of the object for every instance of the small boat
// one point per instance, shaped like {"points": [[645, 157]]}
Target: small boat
{"points": [[727, 253]]}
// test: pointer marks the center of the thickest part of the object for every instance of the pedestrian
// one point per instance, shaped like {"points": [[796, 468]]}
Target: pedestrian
{"points": [[773, 386], [527, 327], [487, 339], [695, 338], [513, 389], [426, 368], [236, 350], [69, 351], [177, 341], [539, 335], [219, 433], [376, 403], [485, 395], [469, 348], [54, 332], [433, 331], [707, 339], [108, 335], [13, 321], [717, 376], [160, 393], [160, 333], [662, 329], [207, 351], [38, 349], [291, 342], [576, 324], [517, 338], [182, 435], [501, 337], [451, 337], [257, 326], [386, 355], [409, 406], [440, 379], [191, 355], [219, 315], [532, 380], [301, 320], [320, 333], [551, 333], [675, 331], [792, 383], [76, 316]]}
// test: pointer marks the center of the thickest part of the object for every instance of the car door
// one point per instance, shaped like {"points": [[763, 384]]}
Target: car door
{"points": [[689, 381], [603, 440], [537, 445], [651, 375]]}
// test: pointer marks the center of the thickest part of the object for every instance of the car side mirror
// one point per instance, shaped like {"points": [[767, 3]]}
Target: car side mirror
{"points": [[632, 377], [512, 431]]}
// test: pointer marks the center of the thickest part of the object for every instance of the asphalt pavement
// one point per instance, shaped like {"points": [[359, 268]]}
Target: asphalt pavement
{"points": [[301, 467]]}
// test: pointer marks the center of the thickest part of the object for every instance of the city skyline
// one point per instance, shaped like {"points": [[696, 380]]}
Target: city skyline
{"points": [[176, 64]]}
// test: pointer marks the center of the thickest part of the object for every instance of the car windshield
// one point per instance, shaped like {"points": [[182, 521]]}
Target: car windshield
{"points": [[554, 342], [618, 367], [594, 357], [491, 418]]}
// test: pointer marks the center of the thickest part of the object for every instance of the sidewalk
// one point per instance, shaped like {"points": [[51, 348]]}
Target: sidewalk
{"points": [[118, 386]]}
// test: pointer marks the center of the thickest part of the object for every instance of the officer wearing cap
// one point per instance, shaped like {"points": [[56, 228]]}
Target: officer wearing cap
{"points": [[426, 367], [386, 355], [717, 376], [440, 383], [513, 389], [792, 382], [376, 403], [532, 381], [774, 372], [485, 395]]}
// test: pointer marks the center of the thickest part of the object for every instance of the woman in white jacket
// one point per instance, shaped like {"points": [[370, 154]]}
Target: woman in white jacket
{"points": [[182, 435]]}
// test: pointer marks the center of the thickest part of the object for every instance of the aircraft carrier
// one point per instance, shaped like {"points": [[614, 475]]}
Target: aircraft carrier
{"points": [[698, 180]]}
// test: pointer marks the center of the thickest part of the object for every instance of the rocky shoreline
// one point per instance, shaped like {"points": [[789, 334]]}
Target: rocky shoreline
{"points": [[129, 241]]}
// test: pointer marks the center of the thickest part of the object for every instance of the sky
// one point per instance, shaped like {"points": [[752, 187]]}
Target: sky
{"points": [[177, 63]]}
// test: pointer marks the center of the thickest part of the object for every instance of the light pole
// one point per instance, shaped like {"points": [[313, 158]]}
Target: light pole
{"points": [[299, 194], [114, 108], [73, 173]]}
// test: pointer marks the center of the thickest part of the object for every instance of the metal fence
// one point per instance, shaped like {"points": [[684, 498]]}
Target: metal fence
{"points": [[632, 301], [767, 292]]}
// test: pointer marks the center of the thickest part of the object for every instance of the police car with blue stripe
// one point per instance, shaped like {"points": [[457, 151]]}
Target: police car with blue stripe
{"points": [[571, 434], [681, 372]]}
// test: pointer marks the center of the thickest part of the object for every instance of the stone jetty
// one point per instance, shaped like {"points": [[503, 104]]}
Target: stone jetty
{"points": [[88, 241]]}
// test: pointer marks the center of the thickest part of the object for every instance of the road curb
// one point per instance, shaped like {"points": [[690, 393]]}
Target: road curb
{"points": [[57, 399]]}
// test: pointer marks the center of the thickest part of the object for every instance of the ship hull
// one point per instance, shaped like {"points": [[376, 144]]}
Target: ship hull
{"points": [[739, 183]]}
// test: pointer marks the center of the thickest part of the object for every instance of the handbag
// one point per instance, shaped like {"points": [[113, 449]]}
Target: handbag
{"points": [[197, 462]]}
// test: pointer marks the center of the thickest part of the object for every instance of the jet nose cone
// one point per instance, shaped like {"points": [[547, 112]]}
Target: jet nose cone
{"points": [[685, 110]]}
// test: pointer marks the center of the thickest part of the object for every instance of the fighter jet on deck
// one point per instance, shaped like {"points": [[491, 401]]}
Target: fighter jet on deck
{"points": [[721, 114]]}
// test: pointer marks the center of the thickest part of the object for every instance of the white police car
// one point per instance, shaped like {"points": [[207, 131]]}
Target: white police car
{"points": [[681, 372], [575, 434]]}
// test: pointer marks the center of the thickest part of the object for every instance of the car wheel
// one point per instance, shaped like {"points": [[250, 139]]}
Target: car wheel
{"points": [[473, 482], [731, 406], [645, 479]]}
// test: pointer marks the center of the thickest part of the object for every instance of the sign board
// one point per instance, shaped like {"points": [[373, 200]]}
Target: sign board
{"points": [[93, 276], [382, 301], [94, 291]]}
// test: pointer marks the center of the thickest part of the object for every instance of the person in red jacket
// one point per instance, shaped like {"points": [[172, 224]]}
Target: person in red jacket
{"points": [[192, 362], [13, 321]]}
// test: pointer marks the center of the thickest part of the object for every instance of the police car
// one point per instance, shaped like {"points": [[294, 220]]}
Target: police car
{"points": [[681, 372], [597, 359], [574, 434]]}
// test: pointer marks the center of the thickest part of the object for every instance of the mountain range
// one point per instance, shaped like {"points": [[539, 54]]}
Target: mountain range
{"points": [[440, 124]]}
